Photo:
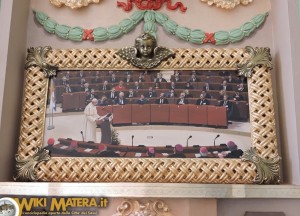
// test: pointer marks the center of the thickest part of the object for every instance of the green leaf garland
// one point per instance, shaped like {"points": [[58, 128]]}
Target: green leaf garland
{"points": [[151, 19]]}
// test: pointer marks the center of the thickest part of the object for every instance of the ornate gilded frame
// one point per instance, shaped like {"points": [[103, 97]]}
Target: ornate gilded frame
{"points": [[260, 164]]}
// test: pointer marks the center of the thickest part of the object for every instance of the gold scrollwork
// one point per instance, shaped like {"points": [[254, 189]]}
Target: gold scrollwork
{"points": [[134, 207], [74, 4], [25, 167], [268, 170], [227, 4], [37, 57], [259, 56]]}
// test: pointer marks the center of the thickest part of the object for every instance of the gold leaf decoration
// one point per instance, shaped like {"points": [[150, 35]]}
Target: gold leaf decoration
{"points": [[25, 167], [259, 56], [74, 4], [268, 170], [136, 208], [227, 4], [37, 57]]}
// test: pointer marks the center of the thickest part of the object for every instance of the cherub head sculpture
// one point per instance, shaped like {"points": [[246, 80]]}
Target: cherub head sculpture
{"points": [[145, 54]]}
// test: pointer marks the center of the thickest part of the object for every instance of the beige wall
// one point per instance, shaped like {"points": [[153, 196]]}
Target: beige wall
{"points": [[13, 53]]}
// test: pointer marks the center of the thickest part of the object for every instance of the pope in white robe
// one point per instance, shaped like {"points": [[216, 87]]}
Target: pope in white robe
{"points": [[91, 116]]}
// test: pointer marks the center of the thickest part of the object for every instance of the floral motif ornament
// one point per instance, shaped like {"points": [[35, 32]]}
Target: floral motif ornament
{"points": [[74, 4], [25, 167], [227, 4], [136, 208], [268, 170], [151, 19], [37, 57], [150, 5], [258, 56]]}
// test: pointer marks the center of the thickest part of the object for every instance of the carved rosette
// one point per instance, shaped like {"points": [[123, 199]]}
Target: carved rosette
{"points": [[74, 4], [37, 57], [26, 167], [227, 4], [258, 57], [136, 208], [268, 170]]}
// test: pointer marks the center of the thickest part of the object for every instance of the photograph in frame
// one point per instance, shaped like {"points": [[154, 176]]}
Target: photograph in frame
{"points": [[247, 169]]}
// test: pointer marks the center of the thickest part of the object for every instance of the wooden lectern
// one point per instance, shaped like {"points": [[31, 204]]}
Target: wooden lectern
{"points": [[104, 124]]}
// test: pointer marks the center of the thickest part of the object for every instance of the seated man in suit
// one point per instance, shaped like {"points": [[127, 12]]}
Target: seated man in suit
{"points": [[178, 152], [160, 78], [131, 94], [82, 81], [206, 95], [234, 151], [207, 87], [221, 95], [142, 100], [151, 93], [105, 86], [194, 78], [121, 86], [64, 80], [229, 106], [231, 79], [68, 88], [86, 87], [176, 78], [187, 94], [136, 86], [141, 77], [162, 99], [202, 101], [112, 94], [225, 87], [238, 97], [241, 87], [121, 100], [81, 74], [91, 95], [188, 85], [103, 101], [182, 100], [170, 94], [173, 85], [97, 78], [128, 78], [113, 78]]}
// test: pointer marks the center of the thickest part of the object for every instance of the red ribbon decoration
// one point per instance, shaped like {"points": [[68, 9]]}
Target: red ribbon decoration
{"points": [[88, 34], [150, 5], [209, 37]]}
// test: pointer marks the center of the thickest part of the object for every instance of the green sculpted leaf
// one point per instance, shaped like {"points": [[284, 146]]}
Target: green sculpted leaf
{"points": [[50, 26], [259, 19], [149, 16], [127, 25], [236, 35], [62, 31], [183, 32], [222, 37], [137, 16], [247, 28], [161, 18], [114, 31], [150, 27], [41, 17], [100, 34], [75, 34], [170, 26], [197, 36]]}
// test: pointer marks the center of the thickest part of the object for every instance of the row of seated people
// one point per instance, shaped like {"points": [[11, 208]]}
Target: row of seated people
{"points": [[166, 85], [150, 93], [148, 78], [152, 73], [69, 147], [138, 89]]}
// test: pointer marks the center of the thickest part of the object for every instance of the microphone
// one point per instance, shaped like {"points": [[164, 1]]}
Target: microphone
{"points": [[82, 136], [187, 141], [215, 139], [132, 140]]}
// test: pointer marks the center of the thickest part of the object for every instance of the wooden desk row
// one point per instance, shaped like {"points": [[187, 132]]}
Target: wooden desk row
{"points": [[167, 114]]}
